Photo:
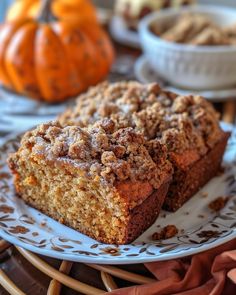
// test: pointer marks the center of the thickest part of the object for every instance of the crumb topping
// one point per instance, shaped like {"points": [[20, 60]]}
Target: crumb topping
{"points": [[101, 150], [179, 122]]}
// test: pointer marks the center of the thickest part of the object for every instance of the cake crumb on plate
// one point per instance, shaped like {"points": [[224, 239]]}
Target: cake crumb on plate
{"points": [[167, 232]]}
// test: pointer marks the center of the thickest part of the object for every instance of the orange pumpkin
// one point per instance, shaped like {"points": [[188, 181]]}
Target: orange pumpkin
{"points": [[52, 60], [80, 11]]}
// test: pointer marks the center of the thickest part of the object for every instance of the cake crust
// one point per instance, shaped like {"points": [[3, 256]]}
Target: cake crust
{"points": [[192, 177]]}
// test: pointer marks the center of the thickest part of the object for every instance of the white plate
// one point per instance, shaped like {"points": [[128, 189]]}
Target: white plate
{"points": [[30, 229], [145, 74]]}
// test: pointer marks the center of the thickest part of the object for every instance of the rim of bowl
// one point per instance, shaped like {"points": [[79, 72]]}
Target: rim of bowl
{"points": [[144, 28]]}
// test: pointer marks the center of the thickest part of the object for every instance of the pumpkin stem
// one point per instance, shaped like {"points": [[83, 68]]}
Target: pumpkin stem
{"points": [[45, 13]]}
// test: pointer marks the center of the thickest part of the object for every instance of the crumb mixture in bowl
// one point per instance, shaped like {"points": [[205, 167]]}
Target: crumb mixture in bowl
{"points": [[196, 29]]}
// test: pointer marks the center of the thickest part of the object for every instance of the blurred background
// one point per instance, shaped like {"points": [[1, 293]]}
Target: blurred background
{"points": [[128, 55], [4, 4]]}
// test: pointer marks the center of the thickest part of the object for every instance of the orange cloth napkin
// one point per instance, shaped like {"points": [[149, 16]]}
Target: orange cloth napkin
{"points": [[212, 272]]}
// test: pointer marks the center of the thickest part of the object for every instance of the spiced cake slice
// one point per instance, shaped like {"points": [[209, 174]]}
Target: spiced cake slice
{"points": [[187, 125], [104, 181]]}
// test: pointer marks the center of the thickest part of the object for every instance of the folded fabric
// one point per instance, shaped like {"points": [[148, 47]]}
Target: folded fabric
{"points": [[212, 272]]}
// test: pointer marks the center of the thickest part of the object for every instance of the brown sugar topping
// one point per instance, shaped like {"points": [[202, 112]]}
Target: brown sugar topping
{"points": [[101, 150], [180, 122]]}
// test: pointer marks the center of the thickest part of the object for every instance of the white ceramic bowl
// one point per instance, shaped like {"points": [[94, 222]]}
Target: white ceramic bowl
{"points": [[189, 66]]}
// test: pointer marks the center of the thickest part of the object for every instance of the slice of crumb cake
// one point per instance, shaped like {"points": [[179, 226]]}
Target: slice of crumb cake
{"points": [[104, 181]]}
